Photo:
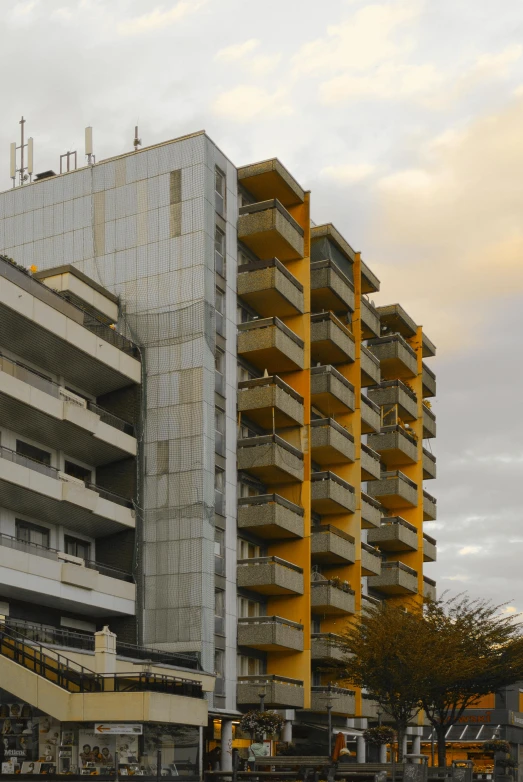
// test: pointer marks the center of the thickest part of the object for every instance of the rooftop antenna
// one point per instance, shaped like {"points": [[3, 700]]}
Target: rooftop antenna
{"points": [[69, 157], [25, 172], [91, 159], [137, 141]]}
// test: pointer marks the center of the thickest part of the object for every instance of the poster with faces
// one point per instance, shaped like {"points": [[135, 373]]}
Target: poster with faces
{"points": [[127, 749], [95, 749]]}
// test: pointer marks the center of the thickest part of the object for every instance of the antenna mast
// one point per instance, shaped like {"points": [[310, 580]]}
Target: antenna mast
{"points": [[25, 172], [137, 141]]}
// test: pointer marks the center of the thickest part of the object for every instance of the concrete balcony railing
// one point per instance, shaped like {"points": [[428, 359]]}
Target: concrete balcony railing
{"points": [[395, 579], [342, 701], [271, 459], [331, 598], [330, 391], [428, 347], [429, 465], [270, 179], [395, 320], [331, 340], [429, 507], [428, 379], [370, 464], [429, 589], [394, 490], [370, 709], [330, 494], [429, 423], [430, 548], [270, 345], [370, 416], [395, 534], [280, 691], [369, 281], [370, 320], [331, 290], [269, 231], [330, 545], [395, 445], [395, 392], [371, 512], [325, 646], [270, 516], [397, 358], [270, 576], [370, 368], [269, 401], [331, 443], [270, 289], [270, 634], [369, 603], [370, 560]]}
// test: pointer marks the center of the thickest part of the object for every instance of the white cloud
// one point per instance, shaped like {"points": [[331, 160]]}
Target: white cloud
{"points": [[245, 103], [159, 19], [469, 550], [264, 64], [237, 50], [459, 577], [390, 81], [351, 172], [508, 610], [498, 65]]}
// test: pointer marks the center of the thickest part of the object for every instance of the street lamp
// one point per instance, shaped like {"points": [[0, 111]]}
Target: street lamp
{"points": [[261, 696]]}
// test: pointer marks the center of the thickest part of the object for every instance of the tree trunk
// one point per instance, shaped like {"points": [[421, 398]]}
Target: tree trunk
{"points": [[441, 731], [401, 732]]}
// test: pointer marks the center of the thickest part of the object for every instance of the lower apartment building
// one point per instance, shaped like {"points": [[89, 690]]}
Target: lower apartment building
{"points": [[212, 440]]}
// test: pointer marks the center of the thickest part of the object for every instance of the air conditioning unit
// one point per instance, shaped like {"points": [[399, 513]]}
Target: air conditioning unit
{"points": [[68, 396]]}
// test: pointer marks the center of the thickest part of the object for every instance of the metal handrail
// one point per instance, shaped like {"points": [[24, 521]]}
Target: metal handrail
{"points": [[429, 412], [428, 580], [261, 620], [370, 355], [429, 455], [328, 264], [373, 406], [370, 549], [334, 584], [370, 452], [269, 561], [264, 499], [319, 317], [271, 380], [398, 384], [429, 539], [264, 439], [398, 474], [263, 323], [429, 497], [272, 203], [327, 688], [390, 521], [371, 501], [253, 266], [428, 370], [328, 369], [396, 337], [327, 475], [401, 430], [110, 495], [333, 530], [400, 566], [334, 424]]}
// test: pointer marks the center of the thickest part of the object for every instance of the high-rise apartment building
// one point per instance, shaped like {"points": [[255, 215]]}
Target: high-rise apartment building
{"points": [[279, 484]]}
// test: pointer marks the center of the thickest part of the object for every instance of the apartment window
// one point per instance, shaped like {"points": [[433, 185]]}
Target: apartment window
{"points": [[32, 533], [316, 624], [248, 666], [219, 611], [77, 548], [219, 375], [247, 550], [243, 315], [220, 311], [248, 608], [219, 431], [245, 374], [219, 489], [219, 670], [219, 551], [34, 453], [219, 251], [76, 471], [316, 678], [219, 191], [248, 490]]}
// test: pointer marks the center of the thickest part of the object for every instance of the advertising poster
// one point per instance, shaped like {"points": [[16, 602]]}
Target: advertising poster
{"points": [[95, 749], [48, 739], [127, 749]]}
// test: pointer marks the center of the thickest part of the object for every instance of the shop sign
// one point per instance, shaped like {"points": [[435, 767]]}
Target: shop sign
{"points": [[121, 729]]}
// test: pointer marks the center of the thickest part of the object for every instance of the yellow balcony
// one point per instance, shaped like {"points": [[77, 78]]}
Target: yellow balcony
{"points": [[271, 459], [370, 368], [331, 443], [370, 320], [270, 289], [428, 379], [370, 416], [429, 588], [429, 507], [270, 402], [270, 576], [370, 464], [395, 579], [430, 548], [370, 560], [429, 423], [394, 490], [280, 691], [325, 646], [331, 546], [395, 534], [270, 516], [270, 634], [330, 391], [330, 288], [395, 392], [429, 465], [332, 598], [270, 345], [397, 358], [269, 231], [371, 512], [331, 340], [341, 700], [395, 445], [330, 494]]}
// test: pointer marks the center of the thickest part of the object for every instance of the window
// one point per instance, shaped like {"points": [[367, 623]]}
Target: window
{"points": [[220, 312], [243, 315], [248, 490], [32, 533], [219, 191], [219, 375], [219, 551], [248, 608], [248, 666], [245, 374], [77, 548], [219, 670], [219, 251], [247, 550], [76, 471], [32, 452], [219, 488], [219, 611], [219, 431], [316, 624]]}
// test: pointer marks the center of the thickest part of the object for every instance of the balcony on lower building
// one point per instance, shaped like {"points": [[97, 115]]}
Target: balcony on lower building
{"points": [[270, 634], [395, 534], [270, 345], [331, 290], [397, 358], [370, 319], [395, 579], [330, 391], [371, 512], [330, 494], [394, 490], [331, 546], [269, 231], [326, 646], [428, 381], [370, 368], [270, 517], [341, 700], [270, 402], [370, 560], [270, 576], [395, 445], [370, 416], [270, 289], [429, 588], [369, 603], [280, 692], [429, 423], [331, 443], [331, 340], [429, 507], [370, 464], [271, 459], [430, 548], [395, 392], [429, 465], [332, 598]]}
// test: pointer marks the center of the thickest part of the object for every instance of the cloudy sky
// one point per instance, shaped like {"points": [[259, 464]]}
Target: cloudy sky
{"points": [[404, 118]]}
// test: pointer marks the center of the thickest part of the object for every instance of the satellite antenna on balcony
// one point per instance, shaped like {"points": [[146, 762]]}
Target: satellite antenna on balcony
{"points": [[91, 159], [24, 172]]}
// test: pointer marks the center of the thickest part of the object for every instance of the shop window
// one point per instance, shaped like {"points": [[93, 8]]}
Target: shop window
{"points": [[32, 533], [77, 548]]}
